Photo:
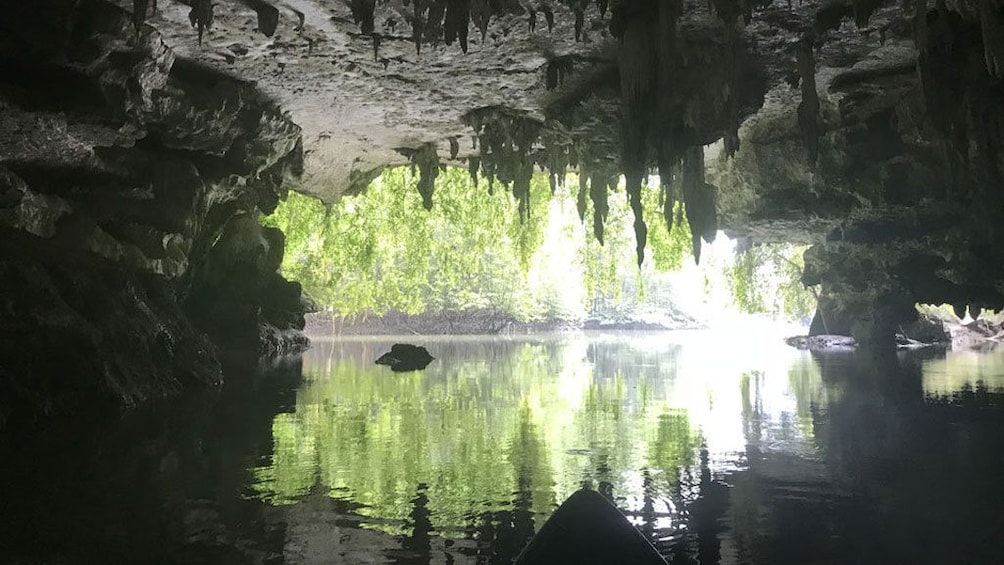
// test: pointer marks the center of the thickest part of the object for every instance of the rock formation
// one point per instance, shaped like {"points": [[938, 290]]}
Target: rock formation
{"points": [[130, 186], [405, 357], [140, 140], [900, 186]]}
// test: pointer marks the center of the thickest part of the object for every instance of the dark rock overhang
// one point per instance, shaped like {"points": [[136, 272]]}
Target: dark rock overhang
{"points": [[130, 187]]}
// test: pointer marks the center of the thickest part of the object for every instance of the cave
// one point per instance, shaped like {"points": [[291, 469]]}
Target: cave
{"points": [[140, 143]]}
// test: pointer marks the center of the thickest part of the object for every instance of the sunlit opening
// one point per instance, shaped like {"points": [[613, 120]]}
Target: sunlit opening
{"points": [[472, 264]]}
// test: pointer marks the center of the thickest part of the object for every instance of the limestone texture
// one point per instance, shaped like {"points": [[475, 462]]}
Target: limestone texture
{"points": [[131, 181]]}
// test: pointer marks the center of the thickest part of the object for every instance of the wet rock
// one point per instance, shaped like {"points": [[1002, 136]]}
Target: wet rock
{"points": [[927, 330], [404, 357], [823, 343]]}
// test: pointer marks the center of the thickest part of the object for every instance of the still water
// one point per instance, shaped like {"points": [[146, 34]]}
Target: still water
{"points": [[722, 448]]}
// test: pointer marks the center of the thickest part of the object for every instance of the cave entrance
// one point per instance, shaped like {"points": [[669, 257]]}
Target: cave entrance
{"points": [[482, 261]]}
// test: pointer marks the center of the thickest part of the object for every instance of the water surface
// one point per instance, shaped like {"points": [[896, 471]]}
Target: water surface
{"points": [[722, 448]]}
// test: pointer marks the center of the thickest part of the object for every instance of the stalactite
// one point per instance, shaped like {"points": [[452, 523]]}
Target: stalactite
{"points": [[201, 16], [139, 11], [729, 12], [581, 202], [636, 61], [521, 187], [473, 163], [363, 13], [556, 156], [549, 18], [268, 15], [481, 15], [634, 187], [808, 108], [699, 199], [433, 30], [668, 203], [426, 158], [418, 23], [666, 158], [731, 137]]}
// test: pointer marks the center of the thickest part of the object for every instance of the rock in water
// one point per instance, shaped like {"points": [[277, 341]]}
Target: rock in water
{"points": [[405, 357]]}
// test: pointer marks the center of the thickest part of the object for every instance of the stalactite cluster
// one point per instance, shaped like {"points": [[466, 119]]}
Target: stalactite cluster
{"points": [[557, 69], [507, 140], [513, 144], [426, 159], [965, 101], [658, 125], [654, 129], [431, 20]]}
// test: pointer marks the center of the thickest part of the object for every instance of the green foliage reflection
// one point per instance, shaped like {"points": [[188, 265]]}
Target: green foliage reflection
{"points": [[503, 418]]}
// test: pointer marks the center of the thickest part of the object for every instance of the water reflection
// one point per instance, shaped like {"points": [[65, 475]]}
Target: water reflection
{"points": [[165, 484], [964, 370], [723, 449], [761, 455], [495, 433]]}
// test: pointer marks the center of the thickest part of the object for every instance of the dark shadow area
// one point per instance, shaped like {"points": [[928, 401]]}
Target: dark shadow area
{"points": [[162, 484]]}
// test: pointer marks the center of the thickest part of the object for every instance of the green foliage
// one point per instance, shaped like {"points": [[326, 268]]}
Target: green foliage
{"points": [[381, 250], [612, 277], [767, 279], [748, 288], [669, 249]]}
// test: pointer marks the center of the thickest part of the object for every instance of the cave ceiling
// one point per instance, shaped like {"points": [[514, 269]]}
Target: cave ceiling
{"points": [[365, 81], [835, 113], [361, 96]]}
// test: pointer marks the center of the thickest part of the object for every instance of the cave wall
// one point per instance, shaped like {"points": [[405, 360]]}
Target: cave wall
{"points": [[131, 182], [900, 189]]}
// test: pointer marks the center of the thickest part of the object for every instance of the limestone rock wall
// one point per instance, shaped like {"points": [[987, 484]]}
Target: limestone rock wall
{"points": [[131, 181], [902, 196]]}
